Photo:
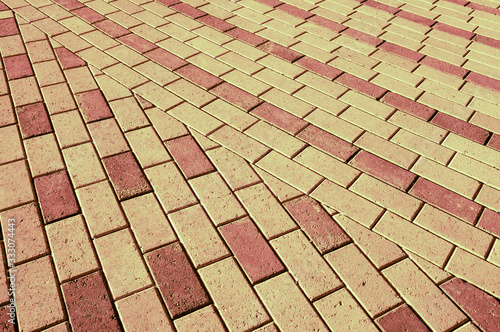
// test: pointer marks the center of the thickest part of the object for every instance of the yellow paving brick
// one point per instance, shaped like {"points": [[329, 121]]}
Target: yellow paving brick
{"points": [[245, 50], [467, 327], [318, 30], [446, 177], [237, 61], [354, 45], [396, 86], [198, 235], [329, 104], [473, 149], [107, 137], [443, 55], [80, 79], [364, 281], [12, 147], [306, 265], [121, 262], [244, 23], [251, 15], [209, 64], [204, 319], [72, 41], [147, 147], [383, 194], [462, 42], [111, 88], [489, 197], [417, 126], [170, 187], [101, 40], [340, 310], [158, 96], [125, 76], [287, 170], [58, 98], [377, 248], [280, 189], [290, 103], [143, 311], [405, 32], [369, 122], [436, 274], [322, 84], [230, 114], [206, 46], [148, 222], [334, 125], [101, 7], [48, 73], [387, 150], [352, 68], [71, 248], [454, 230], [398, 74], [239, 143], [483, 106], [414, 238], [348, 203], [25, 91], [234, 169], [191, 93], [482, 58], [438, 76], [13, 45], [311, 39], [83, 165], [43, 155], [184, 21], [443, 45], [277, 139], [277, 37], [445, 92], [219, 202], [124, 19], [148, 31], [312, 51], [482, 69], [38, 51], [100, 208], [128, 114], [38, 301], [156, 73], [126, 6], [433, 306], [265, 210], [327, 166], [238, 305], [69, 129], [361, 59], [165, 125], [126, 55], [422, 146], [281, 66], [494, 256], [476, 170], [246, 83], [285, 308], [96, 57], [181, 35], [205, 143], [395, 60], [217, 11], [278, 80]]}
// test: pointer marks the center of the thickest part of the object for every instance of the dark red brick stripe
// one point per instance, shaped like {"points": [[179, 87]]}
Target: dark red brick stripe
{"points": [[187, 154], [460, 127], [401, 319], [327, 142]]}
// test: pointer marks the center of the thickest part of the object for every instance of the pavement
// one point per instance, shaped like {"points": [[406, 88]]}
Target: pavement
{"points": [[217, 165]]}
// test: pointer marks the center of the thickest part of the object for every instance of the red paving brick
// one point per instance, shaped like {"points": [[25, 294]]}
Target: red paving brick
{"points": [[384, 170], [487, 41], [408, 106], [56, 196], [401, 51], [8, 27], [251, 249], [401, 319], [246, 36], [319, 67], [126, 176], [490, 221], [5, 325], [484, 80], [216, 23], [361, 85], [361, 36], [18, 66], [280, 118], [328, 142], [446, 200], [33, 120], [381, 6], [70, 4], [327, 23], [138, 43], [89, 15], [93, 106], [177, 280], [89, 305], [166, 58], [494, 142], [68, 59], [111, 28], [294, 11], [444, 67], [324, 232], [188, 10], [199, 76], [236, 96], [461, 127], [415, 18], [188, 155], [480, 306], [453, 30], [272, 3], [280, 51]]}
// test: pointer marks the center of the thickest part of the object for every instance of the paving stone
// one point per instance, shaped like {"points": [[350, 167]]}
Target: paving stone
{"points": [[18, 66], [93, 106], [43, 155], [204, 319], [188, 155], [177, 280], [401, 318]]}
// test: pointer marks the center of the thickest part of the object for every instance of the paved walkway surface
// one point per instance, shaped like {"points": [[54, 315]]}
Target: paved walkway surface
{"points": [[251, 165]]}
